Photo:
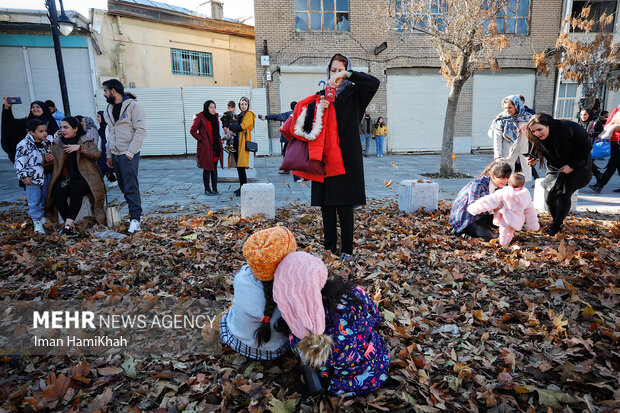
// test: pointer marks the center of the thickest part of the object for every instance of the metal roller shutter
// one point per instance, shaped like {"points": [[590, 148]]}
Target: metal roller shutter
{"points": [[489, 90], [77, 73], [165, 129], [416, 105], [14, 80], [171, 111]]}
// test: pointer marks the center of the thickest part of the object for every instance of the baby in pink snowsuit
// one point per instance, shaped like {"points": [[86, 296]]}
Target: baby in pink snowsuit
{"points": [[512, 206]]}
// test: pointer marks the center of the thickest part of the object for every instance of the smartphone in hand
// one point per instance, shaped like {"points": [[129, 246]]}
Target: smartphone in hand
{"points": [[330, 93], [529, 155], [14, 100]]}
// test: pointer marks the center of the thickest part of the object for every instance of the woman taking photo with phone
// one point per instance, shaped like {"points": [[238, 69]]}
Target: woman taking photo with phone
{"points": [[75, 175], [337, 195], [565, 148], [14, 129]]}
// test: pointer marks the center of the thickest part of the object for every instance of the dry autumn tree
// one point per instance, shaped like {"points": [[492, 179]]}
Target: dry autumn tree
{"points": [[466, 39], [588, 59]]}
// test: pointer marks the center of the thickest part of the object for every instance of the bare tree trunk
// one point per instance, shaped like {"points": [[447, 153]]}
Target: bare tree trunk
{"points": [[447, 164]]}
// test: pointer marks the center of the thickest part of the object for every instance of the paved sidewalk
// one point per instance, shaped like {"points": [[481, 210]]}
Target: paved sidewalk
{"points": [[174, 185]]}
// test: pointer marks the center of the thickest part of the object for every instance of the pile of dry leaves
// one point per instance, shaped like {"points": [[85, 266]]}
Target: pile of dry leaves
{"points": [[471, 326]]}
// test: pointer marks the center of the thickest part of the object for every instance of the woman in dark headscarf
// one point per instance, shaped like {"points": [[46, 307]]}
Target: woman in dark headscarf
{"points": [[565, 147], [14, 130], [206, 130], [337, 195]]}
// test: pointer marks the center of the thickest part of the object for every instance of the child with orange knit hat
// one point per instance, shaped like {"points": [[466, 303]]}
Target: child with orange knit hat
{"points": [[332, 324], [248, 325]]}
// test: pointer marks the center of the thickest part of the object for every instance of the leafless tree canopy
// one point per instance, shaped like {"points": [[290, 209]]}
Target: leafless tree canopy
{"points": [[466, 39], [462, 31], [588, 59]]}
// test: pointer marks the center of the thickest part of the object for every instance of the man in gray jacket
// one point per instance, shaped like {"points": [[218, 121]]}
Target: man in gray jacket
{"points": [[125, 134]]}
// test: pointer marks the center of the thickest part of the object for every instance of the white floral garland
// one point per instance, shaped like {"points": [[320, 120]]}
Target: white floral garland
{"points": [[317, 125]]}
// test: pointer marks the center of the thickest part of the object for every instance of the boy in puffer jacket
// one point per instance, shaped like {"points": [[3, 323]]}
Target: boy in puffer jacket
{"points": [[33, 163], [513, 207]]}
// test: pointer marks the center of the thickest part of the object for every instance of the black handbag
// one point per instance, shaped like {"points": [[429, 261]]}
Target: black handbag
{"points": [[251, 146]]}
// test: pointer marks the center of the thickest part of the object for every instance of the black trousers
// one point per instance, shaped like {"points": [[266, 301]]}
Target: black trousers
{"points": [[613, 164], [482, 228], [331, 215], [75, 191], [243, 179], [559, 207], [284, 146], [212, 175]]}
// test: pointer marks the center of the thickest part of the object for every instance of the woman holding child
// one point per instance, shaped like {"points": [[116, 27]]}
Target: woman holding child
{"points": [[75, 175], [478, 226]]}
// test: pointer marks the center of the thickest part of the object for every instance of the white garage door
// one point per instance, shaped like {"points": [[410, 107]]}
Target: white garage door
{"points": [[30, 73], [77, 74], [489, 90], [416, 105], [294, 86], [14, 81]]}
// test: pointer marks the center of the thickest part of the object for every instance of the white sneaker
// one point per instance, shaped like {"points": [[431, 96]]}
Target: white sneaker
{"points": [[134, 226], [38, 227]]}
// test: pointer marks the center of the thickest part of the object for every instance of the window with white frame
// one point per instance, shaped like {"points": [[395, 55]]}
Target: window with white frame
{"points": [[191, 63], [567, 99], [322, 15]]}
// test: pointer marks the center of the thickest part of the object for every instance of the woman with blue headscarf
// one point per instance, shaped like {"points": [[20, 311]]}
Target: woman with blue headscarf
{"points": [[507, 131]]}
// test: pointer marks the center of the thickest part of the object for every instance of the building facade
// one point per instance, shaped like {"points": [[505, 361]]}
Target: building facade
{"points": [[172, 58], [568, 94], [147, 44], [28, 62], [301, 35]]}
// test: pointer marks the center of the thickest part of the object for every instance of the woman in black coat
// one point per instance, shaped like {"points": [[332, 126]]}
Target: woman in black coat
{"points": [[339, 194], [14, 130], [565, 146]]}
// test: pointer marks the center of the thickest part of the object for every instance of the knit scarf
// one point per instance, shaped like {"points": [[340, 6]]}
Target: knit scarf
{"points": [[509, 124], [215, 127], [71, 157]]}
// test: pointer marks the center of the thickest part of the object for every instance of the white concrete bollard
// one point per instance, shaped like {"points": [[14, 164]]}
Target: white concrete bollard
{"points": [[539, 197], [414, 194], [85, 211], [259, 198]]}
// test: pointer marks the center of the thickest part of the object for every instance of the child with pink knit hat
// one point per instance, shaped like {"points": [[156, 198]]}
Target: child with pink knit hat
{"points": [[332, 324], [512, 206]]}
